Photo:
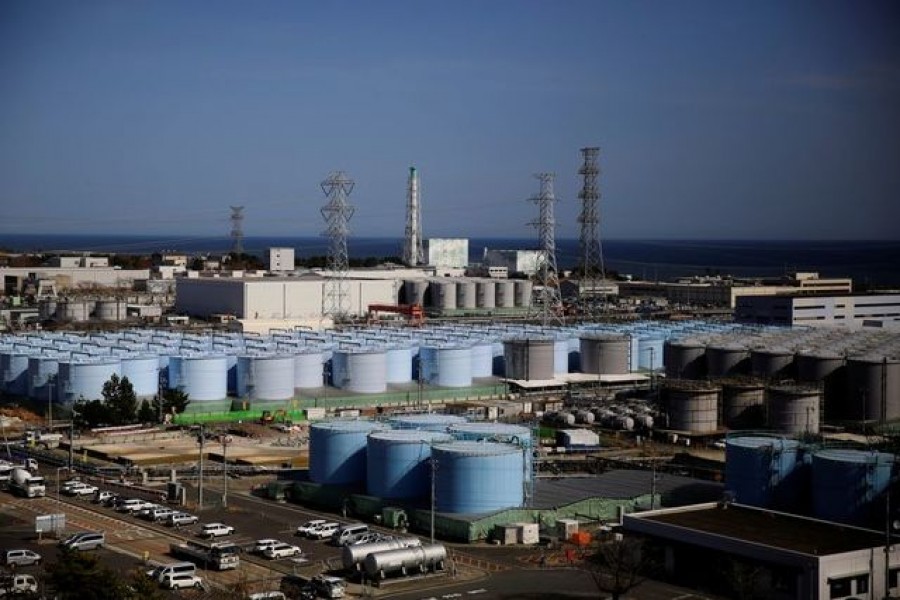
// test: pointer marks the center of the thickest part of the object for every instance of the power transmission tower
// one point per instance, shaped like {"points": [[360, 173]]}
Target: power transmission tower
{"points": [[337, 213], [237, 232], [551, 301], [593, 272], [412, 242]]}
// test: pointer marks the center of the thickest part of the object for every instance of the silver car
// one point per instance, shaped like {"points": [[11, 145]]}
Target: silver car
{"points": [[22, 558]]}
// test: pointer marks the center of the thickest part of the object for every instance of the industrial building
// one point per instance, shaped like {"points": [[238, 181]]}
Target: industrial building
{"points": [[280, 260], [447, 252], [848, 311], [741, 551], [525, 262]]}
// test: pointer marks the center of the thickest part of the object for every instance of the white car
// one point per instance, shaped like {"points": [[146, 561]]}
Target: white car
{"points": [[132, 505], [81, 489], [212, 530], [262, 545], [65, 485], [181, 518], [102, 497], [323, 531], [309, 525], [281, 550], [181, 581]]}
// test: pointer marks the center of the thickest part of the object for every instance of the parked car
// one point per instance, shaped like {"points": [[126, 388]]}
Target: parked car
{"points": [[262, 545], [22, 558], [65, 485], [16, 585], [81, 489], [212, 530], [142, 512], [323, 531], [132, 505], [181, 581], [103, 496], [281, 550], [87, 540], [181, 518], [306, 527], [160, 513]]}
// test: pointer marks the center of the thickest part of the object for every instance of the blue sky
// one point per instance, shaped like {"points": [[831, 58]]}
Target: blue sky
{"points": [[716, 120]]}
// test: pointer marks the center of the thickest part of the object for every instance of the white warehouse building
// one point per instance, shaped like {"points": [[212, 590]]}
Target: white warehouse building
{"points": [[276, 298], [516, 261]]}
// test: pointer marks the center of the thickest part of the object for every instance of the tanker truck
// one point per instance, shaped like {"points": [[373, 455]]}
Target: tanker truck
{"points": [[25, 484]]}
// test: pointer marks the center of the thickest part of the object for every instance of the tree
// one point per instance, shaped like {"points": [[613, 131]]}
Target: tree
{"points": [[89, 413], [174, 401], [121, 402], [141, 587], [80, 576], [619, 566], [146, 414]]}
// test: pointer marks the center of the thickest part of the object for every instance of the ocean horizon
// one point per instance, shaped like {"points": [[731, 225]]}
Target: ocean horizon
{"points": [[875, 262]]}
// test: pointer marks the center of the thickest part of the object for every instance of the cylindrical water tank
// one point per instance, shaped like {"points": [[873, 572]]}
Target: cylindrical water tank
{"points": [[691, 405], [42, 374], [337, 451], [650, 352], [763, 471], [482, 359], [604, 354], [845, 482], [443, 294], [873, 384], [415, 290], [84, 377], [398, 463], [560, 356], [111, 310], [529, 358], [399, 364], [522, 292], [817, 366], [265, 377], [74, 310], [486, 293], [772, 363], [684, 359], [203, 377], [505, 433], [446, 366], [478, 477], [829, 370], [426, 421], [506, 294], [308, 370], [793, 409], [363, 371], [727, 359], [465, 293], [743, 404], [15, 370], [142, 371]]}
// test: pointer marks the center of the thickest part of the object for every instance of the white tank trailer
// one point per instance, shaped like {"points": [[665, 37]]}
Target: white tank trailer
{"points": [[353, 556], [418, 559]]}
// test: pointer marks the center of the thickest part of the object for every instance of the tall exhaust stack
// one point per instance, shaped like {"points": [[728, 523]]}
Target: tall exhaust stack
{"points": [[412, 245]]}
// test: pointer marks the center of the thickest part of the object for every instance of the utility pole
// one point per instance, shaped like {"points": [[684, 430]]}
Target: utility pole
{"points": [[433, 489], [226, 439], [200, 478]]}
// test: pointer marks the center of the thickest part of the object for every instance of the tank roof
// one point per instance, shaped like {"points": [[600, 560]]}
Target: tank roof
{"points": [[759, 441], [850, 455], [473, 448], [411, 436]]}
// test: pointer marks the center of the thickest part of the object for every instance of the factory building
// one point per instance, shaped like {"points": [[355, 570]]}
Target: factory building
{"points": [[851, 311], [70, 277], [782, 556], [526, 262], [450, 253], [276, 298]]}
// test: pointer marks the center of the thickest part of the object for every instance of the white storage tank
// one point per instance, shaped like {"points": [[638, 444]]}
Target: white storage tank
{"points": [[465, 293], [203, 377], [506, 294], [83, 377], [265, 377], [142, 371], [309, 372], [482, 359], [486, 292], [523, 289], [361, 370], [399, 364], [446, 365]]}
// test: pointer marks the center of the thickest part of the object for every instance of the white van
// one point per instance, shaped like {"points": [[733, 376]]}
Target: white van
{"points": [[267, 596], [349, 534], [179, 568]]}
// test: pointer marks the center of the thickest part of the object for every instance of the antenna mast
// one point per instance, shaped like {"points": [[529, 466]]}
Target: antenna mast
{"points": [[337, 213], [237, 232], [591, 251], [412, 244], [551, 301]]}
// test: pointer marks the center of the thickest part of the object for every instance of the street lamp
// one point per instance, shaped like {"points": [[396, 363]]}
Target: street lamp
{"points": [[225, 439], [58, 469]]}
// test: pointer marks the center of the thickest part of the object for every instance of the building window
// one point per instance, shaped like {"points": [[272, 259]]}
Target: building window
{"points": [[894, 577], [842, 587], [862, 584]]}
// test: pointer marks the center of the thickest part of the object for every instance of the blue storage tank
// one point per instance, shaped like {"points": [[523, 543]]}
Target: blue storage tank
{"points": [[446, 366], [337, 451], [399, 364], [264, 377], [42, 370], [478, 477], [845, 482], [650, 352], [426, 421], [231, 369], [309, 371], [15, 370], [142, 371], [506, 433], [83, 377], [360, 370], [398, 465], [202, 377], [561, 355], [764, 471], [483, 359]]}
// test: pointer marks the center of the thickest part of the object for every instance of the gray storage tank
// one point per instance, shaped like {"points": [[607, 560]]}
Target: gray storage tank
{"points": [[486, 293], [873, 384], [772, 363], [793, 409], [743, 404], [506, 294], [465, 293], [529, 358], [691, 406], [724, 360], [684, 359], [605, 354]]}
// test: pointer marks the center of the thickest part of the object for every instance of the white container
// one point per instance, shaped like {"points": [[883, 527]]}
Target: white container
{"points": [[527, 533]]}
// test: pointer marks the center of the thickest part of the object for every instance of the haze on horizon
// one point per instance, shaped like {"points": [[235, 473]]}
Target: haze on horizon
{"points": [[716, 120]]}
